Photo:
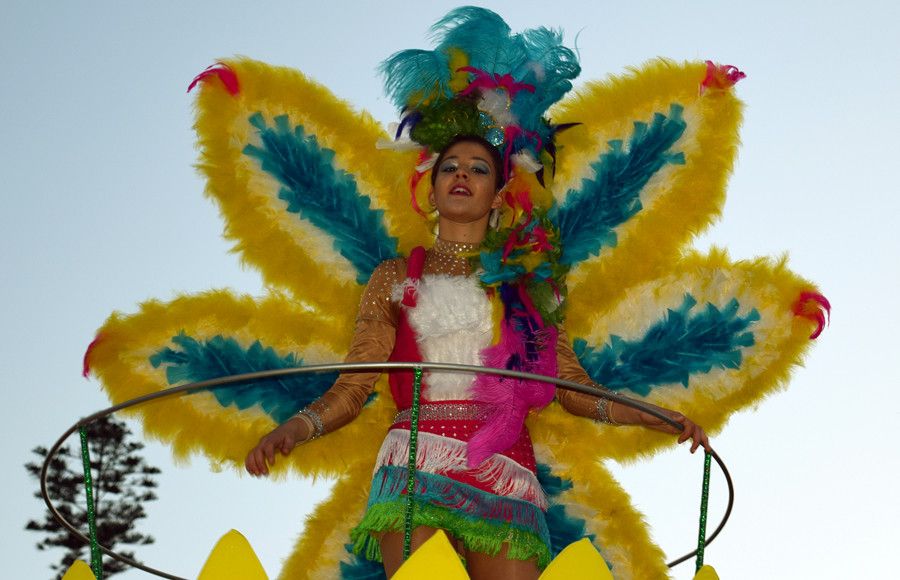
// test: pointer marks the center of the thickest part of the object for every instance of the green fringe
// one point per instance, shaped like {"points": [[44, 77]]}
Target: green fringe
{"points": [[479, 536]]}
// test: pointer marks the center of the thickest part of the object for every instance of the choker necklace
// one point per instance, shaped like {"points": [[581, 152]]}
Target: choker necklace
{"points": [[455, 249]]}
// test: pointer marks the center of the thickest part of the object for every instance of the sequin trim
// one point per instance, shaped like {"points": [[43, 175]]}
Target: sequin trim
{"points": [[446, 412]]}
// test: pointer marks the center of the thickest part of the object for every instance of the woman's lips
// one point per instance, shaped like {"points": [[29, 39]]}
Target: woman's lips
{"points": [[461, 190]]}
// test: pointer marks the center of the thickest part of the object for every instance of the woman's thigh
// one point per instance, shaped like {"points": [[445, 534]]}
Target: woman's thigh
{"points": [[392, 546], [484, 566]]}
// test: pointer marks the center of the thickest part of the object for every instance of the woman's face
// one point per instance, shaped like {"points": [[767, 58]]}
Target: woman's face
{"points": [[464, 186]]}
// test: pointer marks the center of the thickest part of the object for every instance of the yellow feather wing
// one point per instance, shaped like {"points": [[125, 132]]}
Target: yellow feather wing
{"points": [[324, 546], [676, 202], [586, 501], [247, 176], [216, 334], [708, 339]]}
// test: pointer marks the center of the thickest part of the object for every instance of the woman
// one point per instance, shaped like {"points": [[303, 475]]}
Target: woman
{"points": [[430, 307]]}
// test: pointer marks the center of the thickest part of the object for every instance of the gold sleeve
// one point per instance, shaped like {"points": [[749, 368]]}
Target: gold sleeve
{"points": [[569, 369], [373, 341]]}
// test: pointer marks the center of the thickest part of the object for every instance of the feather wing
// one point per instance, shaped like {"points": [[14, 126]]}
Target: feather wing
{"points": [[303, 188], [708, 339], [643, 171], [586, 501], [325, 549], [217, 334]]}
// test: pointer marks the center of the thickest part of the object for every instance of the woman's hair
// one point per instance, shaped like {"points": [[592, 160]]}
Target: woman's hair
{"points": [[496, 157]]}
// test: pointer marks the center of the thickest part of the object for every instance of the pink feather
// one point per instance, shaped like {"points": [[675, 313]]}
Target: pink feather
{"points": [[815, 307], [511, 399], [223, 72], [86, 363]]}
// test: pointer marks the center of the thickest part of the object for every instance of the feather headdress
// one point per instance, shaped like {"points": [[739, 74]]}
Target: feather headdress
{"points": [[483, 80]]}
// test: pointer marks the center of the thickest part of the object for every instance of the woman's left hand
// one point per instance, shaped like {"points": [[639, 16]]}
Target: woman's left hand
{"points": [[690, 430]]}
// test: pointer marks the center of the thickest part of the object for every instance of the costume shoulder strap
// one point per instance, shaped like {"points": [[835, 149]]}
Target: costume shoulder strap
{"points": [[414, 266]]}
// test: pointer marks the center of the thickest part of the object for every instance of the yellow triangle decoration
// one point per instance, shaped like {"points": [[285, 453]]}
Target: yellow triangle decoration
{"points": [[578, 561], [79, 570], [435, 559], [707, 572], [232, 558]]}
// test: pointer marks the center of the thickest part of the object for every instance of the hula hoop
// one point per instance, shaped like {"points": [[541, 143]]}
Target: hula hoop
{"points": [[349, 367]]}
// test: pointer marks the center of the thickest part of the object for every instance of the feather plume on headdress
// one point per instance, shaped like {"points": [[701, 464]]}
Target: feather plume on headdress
{"points": [[482, 80]]}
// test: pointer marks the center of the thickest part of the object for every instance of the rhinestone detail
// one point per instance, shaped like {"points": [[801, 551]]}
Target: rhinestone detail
{"points": [[446, 412], [455, 249]]}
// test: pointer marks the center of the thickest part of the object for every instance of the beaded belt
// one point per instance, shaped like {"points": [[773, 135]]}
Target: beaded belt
{"points": [[459, 411]]}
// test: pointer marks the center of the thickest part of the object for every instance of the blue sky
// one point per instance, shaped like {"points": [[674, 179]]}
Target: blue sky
{"points": [[102, 209]]}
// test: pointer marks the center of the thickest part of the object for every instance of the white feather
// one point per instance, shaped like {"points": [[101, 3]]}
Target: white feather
{"points": [[452, 322]]}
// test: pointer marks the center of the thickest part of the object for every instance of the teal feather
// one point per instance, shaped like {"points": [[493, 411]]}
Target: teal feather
{"points": [[587, 218], [680, 345], [564, 528], [551, 68], [471, 503], [481, 34], [536, 57], [412, 76], [192, 360], [326, 196], [357, 568]]}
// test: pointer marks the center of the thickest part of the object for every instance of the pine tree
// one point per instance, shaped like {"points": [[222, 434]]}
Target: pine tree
{"points": [[122, 483]]}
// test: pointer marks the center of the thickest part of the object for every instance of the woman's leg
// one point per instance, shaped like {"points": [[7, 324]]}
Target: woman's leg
{"points": [[392, 547], [486, 567]]}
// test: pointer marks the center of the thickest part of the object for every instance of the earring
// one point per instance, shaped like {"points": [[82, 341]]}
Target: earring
{"points": [[494, 219]]}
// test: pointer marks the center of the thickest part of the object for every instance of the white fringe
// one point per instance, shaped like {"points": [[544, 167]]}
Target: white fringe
{"points": [[437, 454], [452, 321]]}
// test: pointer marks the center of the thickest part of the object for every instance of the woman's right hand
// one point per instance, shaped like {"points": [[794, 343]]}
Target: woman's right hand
{"points": [[283, 438]]}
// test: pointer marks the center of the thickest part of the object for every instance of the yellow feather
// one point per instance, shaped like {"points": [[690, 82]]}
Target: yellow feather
{"points": [[120, 360], [321, 547], [622, 535], [459, 80], [679, 202], [782, 339], [305, 262]]}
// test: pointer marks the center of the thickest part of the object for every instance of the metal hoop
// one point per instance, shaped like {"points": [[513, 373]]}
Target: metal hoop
{"points": [[350, 367]]}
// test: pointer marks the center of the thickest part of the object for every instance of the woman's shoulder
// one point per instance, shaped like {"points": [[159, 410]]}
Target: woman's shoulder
{"points": [[391, 266], [389, 272]]}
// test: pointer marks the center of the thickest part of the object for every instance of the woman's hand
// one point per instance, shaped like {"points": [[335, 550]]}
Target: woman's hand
{"points": [[283, 438], [690, 430]]}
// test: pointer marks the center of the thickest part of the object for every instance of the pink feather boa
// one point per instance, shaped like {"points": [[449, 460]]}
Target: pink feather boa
{"points": [[511, 399]]}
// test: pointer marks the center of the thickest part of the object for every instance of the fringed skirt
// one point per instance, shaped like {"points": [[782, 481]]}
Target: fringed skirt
{"points": [[498, 502]]}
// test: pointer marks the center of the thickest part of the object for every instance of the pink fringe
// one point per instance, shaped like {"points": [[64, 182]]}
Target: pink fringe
{"points": [[444, 455]]}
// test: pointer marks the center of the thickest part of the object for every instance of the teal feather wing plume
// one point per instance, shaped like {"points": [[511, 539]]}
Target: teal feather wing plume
{"points": [[314, 189]]}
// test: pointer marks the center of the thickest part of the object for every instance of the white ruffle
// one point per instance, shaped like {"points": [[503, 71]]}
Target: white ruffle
{"points": [[452, 322], [440, 455]]}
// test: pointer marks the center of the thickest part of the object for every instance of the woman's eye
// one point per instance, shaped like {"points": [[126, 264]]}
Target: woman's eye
{"points": [[481, 169], [448, 167]]}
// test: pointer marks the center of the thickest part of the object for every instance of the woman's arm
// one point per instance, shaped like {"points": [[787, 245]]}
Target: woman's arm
{"points": [[607, 411], [373, 340]]}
